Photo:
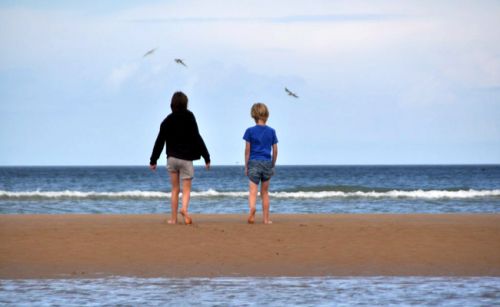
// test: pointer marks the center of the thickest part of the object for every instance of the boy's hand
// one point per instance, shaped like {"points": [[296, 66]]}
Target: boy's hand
{"points": [[152, 167], [246, 171], [207, 166]]}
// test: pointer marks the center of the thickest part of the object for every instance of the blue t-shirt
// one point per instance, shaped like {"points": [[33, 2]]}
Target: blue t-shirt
{"points": [[261, 139]]}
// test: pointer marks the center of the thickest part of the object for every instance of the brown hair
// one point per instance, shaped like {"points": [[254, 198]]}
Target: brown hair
{"points": [[259, 111], [179, 102]]}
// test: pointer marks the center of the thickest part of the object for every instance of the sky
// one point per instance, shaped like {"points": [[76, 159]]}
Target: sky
{"points": [[379, 82]]}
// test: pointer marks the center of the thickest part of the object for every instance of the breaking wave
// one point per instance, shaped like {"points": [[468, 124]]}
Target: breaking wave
{"points": [[413, 194]]}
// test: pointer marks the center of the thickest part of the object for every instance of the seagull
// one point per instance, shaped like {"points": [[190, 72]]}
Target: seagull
{"points": [[290, 93], [150, 52], [179, 61]]}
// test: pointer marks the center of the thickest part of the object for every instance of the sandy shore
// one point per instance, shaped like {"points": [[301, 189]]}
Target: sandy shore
{"points": [[41, 246]]}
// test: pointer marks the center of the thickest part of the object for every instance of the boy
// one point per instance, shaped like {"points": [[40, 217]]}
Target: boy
{"points": [[179, 132], [259, 165]]}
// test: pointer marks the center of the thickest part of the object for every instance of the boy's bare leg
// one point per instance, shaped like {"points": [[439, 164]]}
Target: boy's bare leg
{"points": [[186, 195], [252, 199], [264, 193], [174, 180]]}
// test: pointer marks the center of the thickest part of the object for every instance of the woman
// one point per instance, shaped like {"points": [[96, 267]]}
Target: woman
{"points": [[184, 143]]}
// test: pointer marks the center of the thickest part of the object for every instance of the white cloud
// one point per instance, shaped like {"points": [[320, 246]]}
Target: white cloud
{"points": [[287, 47], [121, 74], [427, 90], [472, 67]]}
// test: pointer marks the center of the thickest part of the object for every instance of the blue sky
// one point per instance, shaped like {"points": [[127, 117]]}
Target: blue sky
{"points": [[380, 82]]}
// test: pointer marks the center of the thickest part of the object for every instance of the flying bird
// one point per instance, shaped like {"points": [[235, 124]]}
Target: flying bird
{"points": [[179, 61], [150, 52], [290, 93]]}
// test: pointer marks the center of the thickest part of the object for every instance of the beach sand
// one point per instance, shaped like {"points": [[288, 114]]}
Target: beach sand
{"points": [[66, 246]]}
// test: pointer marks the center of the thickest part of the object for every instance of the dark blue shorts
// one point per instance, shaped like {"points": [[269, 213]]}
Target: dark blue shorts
{"points": [[260, 170]]}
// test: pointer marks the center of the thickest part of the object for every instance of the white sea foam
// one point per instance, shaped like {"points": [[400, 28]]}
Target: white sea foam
{"points": [[80, 194], [137, 194], [431, 194]]}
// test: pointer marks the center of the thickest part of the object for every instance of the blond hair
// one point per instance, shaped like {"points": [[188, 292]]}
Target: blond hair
{"points": [[259, 111]]}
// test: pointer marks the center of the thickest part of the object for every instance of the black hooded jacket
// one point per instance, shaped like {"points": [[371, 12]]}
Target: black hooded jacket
{"points": [[179, 131]]}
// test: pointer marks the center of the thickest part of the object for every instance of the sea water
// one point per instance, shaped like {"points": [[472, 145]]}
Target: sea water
{"points": [[247, 291], [224, 189]]}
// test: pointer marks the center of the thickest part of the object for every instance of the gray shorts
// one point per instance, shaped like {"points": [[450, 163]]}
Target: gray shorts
{"points": [[260, 170], [183, 167]]}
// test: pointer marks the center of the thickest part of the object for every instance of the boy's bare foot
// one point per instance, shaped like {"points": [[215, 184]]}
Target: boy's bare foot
{"points": [[171, 222], [268, 222], [187, 219], [251, 217]]}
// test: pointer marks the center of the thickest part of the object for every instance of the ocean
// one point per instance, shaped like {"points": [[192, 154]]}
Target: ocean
{"points": [[251, 291], [224, 189]]}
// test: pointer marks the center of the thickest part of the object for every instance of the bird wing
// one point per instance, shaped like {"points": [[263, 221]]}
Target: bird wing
{"points": [[290, 93], [179, 61], [149, 52]]}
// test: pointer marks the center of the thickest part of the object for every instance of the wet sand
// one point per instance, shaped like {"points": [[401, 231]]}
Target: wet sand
{"points": [[66, 246]]}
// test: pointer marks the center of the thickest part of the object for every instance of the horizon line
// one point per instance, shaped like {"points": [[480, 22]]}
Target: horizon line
{"points": [[226, 165]]}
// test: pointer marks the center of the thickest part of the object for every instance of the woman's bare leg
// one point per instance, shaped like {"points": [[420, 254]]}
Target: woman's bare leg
{"points": [[186, 195], [174, 180]]}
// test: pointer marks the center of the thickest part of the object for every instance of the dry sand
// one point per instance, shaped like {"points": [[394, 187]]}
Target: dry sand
{"points": [[59, 246]]}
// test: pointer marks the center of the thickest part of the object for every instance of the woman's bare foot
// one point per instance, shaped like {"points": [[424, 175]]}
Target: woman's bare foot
{"points": [[187, 219], [268, 222], [251, 217], [171, 222]]}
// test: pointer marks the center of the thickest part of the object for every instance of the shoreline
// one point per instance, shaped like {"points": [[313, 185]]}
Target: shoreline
{"points": [[90, 246]]}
